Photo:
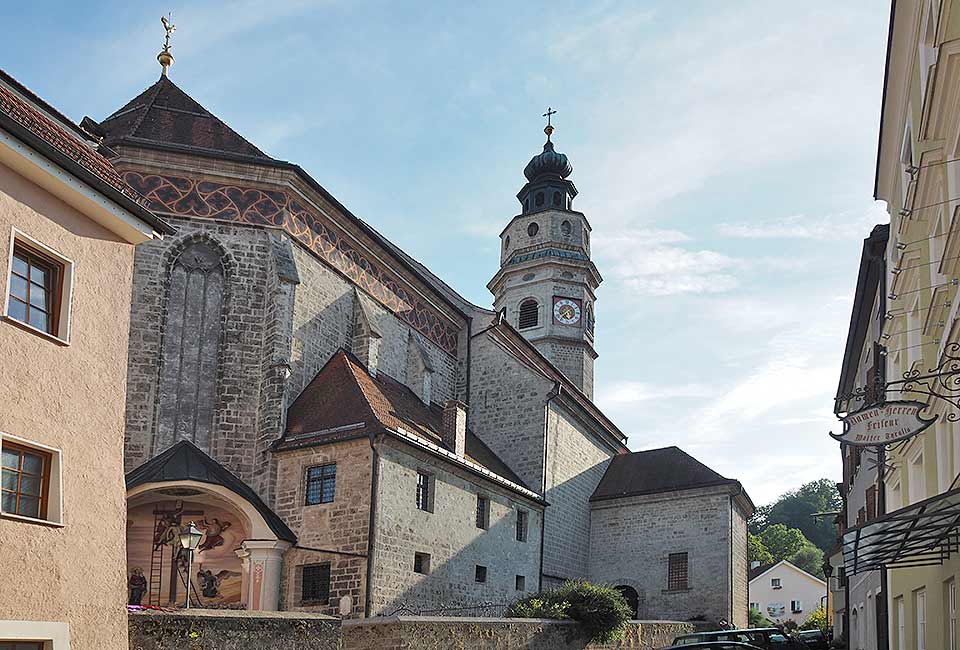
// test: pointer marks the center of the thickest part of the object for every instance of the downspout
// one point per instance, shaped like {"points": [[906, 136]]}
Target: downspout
{"points": [[555, 393], [372, 525], [732, 618]]}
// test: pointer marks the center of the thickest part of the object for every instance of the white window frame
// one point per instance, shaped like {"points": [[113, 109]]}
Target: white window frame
{"points": [[917, 478], [776, 583], [901, 624], [55, 497], [895, 497], [66, 294], [952, 615], [796, 606], [927, 44], [906, 161], [53, 635], [920, 613]]}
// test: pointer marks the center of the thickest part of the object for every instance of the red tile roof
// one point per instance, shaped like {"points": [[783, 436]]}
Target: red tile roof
{"points": [[344, 400]]}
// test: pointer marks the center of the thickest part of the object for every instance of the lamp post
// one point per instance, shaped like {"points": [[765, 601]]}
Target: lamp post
{"points": [[190, 540], [827, 572]]}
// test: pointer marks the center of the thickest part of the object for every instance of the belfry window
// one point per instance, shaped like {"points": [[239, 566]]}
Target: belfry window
{"points": [[557, 199], [529, 314], [565, 228], [539, 199]]}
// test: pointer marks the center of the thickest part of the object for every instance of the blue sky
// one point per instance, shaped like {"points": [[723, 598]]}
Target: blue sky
{"points": [[724, 154]]}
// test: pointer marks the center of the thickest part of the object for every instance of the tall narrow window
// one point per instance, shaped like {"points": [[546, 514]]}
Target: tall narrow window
{"points": [[529, 314], [952, 615], [315, 583], [191, 342], [677, 572], [921, 620], [424, 492], [521, 583], [521, 525], [901, 624], [25, 481], [480, 573], [35, 288], [321, 484], [483, 512], [871, 496]]}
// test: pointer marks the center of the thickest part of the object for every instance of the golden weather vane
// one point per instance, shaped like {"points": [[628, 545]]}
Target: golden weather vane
{"points": [[166, 56]]}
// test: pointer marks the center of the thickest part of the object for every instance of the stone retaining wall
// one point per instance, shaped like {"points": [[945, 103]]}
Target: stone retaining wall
{"points": [[232, 630], [450, 633]]}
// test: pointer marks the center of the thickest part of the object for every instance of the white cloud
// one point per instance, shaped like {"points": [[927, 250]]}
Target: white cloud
{"points": [[830, 227], [631, 392]]}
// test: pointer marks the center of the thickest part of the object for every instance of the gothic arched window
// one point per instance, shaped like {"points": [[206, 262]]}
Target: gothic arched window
{"points": [[529, 314], [191, 342]]}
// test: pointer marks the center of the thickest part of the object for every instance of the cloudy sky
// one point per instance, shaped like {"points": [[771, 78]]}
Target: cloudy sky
{"points": [[724, 153]]}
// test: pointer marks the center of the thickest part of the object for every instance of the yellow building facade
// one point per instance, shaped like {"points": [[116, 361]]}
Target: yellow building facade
{"points": [[918, 176]]}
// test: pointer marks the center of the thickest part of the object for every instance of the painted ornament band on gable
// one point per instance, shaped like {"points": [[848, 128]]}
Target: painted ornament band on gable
{"points": [[187, 197]]}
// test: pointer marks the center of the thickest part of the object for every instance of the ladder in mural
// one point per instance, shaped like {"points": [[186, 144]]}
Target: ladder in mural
{"points": [[156, 568]]}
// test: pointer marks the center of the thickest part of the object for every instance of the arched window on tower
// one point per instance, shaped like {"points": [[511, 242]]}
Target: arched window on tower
{"points": [[589, 319], [529, 314], [557, 199]]}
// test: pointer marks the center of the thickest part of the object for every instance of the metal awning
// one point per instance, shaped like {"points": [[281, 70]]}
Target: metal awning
{"points": [[922, 534]]}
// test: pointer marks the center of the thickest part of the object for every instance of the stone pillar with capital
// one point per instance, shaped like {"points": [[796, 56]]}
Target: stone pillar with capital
{"points": [[262, 562]]}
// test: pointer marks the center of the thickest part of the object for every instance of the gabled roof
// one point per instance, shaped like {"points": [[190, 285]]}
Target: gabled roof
{"points": [[184, 461], [165, 116], [40, 126], [655, 470], [344, 400], [766, 568]]}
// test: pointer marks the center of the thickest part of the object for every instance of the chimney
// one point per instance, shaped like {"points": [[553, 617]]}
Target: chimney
{"points": [[754, 564], [454, 432]]}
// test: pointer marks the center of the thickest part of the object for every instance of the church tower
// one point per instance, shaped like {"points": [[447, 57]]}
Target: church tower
{"points": [[546, 282]]}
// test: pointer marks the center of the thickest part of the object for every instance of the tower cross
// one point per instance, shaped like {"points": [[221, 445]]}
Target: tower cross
{"points": [[550, 113]]}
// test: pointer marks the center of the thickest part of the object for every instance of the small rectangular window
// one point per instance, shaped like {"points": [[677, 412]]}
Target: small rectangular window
{"points": [[421, 563], [321, 484], [35, 289], [25, 481], [480, 575], [521, 525], [677, 572], [483, 512], [795, 606], [315, 583], [424, 492], [521, 583], [775, 583], [21, 645]]}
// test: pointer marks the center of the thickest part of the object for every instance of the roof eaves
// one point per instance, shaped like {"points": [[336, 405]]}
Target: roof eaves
{"points": [[661, 490]]}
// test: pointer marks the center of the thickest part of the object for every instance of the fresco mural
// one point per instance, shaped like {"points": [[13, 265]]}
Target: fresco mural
{"points": [[157, 563]]}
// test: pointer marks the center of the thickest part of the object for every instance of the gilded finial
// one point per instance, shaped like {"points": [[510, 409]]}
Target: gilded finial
{"points": [[166, 56], [548, 129]]}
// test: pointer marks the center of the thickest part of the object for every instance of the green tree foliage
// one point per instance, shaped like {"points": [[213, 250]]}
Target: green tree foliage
{"points": [[817, 620], [782, 542], [756, 551], [756, 619], [600, 610], [810, 559], [794, 510]]}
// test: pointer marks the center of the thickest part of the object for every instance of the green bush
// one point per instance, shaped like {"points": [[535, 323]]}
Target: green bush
{"points": [[600, 610], [757, 619]]}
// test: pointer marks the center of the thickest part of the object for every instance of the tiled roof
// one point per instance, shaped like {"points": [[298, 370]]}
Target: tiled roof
{"points": [[57, 135], [760, 570], [344, 400], [165, 115], [655, 470]]}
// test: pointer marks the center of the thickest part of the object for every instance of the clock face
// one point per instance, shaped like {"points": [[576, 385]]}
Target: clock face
{"points": [[566, 311]]}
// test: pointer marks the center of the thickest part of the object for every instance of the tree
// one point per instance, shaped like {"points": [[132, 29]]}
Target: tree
{"points": [[795, 508], [810, 559], [757, 551], [817, 620], [782, 542], [756, 619]]}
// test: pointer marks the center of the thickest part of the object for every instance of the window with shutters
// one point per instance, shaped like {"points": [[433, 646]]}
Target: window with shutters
{"points": [[529, 314], [677, 572]]}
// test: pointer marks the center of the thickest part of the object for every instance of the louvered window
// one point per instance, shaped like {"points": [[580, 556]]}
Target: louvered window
{"points": [[529, 314]]}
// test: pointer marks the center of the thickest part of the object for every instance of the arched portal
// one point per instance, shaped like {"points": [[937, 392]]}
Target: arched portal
{"points": [[632, 597]]}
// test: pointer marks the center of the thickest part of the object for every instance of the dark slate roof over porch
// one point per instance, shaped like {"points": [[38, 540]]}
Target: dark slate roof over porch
{"points": [[186, 462], [656, 470]]}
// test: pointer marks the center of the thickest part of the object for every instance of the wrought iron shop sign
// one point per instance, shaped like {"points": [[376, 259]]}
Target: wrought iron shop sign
{"points": [[884, 423]]}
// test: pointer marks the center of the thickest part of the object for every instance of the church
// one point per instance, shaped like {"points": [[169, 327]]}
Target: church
{"points": [[354, 437]]}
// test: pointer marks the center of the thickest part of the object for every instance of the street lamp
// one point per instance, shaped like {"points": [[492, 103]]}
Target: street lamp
{"points": [[827, 572], [190, 540]]}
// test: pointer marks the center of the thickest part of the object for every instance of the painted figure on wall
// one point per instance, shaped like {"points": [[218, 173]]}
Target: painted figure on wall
{"points": [[137, 585], [213, 537]]}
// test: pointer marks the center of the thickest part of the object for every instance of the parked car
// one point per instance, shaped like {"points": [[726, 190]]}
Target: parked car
{"points": [[766, 638], [814, 639], [713, 645]]}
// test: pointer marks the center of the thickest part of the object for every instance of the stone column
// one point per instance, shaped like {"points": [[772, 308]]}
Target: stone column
{"points": [[262, 565]]}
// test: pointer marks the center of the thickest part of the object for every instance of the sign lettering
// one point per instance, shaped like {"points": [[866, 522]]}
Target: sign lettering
{"points": [[883, 424]]}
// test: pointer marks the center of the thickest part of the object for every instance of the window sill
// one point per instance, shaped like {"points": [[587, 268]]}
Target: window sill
{"points": [[320, 503], [31, 520], [675, 591], [33, 330], [314, 603]]}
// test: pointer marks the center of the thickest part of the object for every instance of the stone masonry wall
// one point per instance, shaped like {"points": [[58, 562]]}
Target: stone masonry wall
{"points": [[507, 402], [631, 539], [440, 633], [230, 630], [741, 569], [450, 535], [334, 533], [576, 462]]}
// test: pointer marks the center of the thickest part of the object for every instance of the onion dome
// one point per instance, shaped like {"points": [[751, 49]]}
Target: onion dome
{"points": [[548, 163]]}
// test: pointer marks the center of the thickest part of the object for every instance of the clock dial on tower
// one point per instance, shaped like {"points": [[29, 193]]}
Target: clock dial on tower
{"points": [[566, 311]]}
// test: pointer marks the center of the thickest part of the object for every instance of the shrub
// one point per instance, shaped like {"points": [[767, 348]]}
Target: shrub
{"points": [[756, 619], [600, 610], [817, 620]]}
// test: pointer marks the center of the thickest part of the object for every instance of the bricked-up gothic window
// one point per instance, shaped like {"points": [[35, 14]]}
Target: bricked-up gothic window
{"points": [[677, 572], [321, 484], [529, 314], [480, 575], [521, 583], [315, 583], [191, 346], [424, 492], [421, 563], [483, 512], [521, 525], [26, 481]]}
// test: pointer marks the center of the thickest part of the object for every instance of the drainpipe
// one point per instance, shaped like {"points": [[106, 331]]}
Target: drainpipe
{"points": [[555, 393], [372, 525]]}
